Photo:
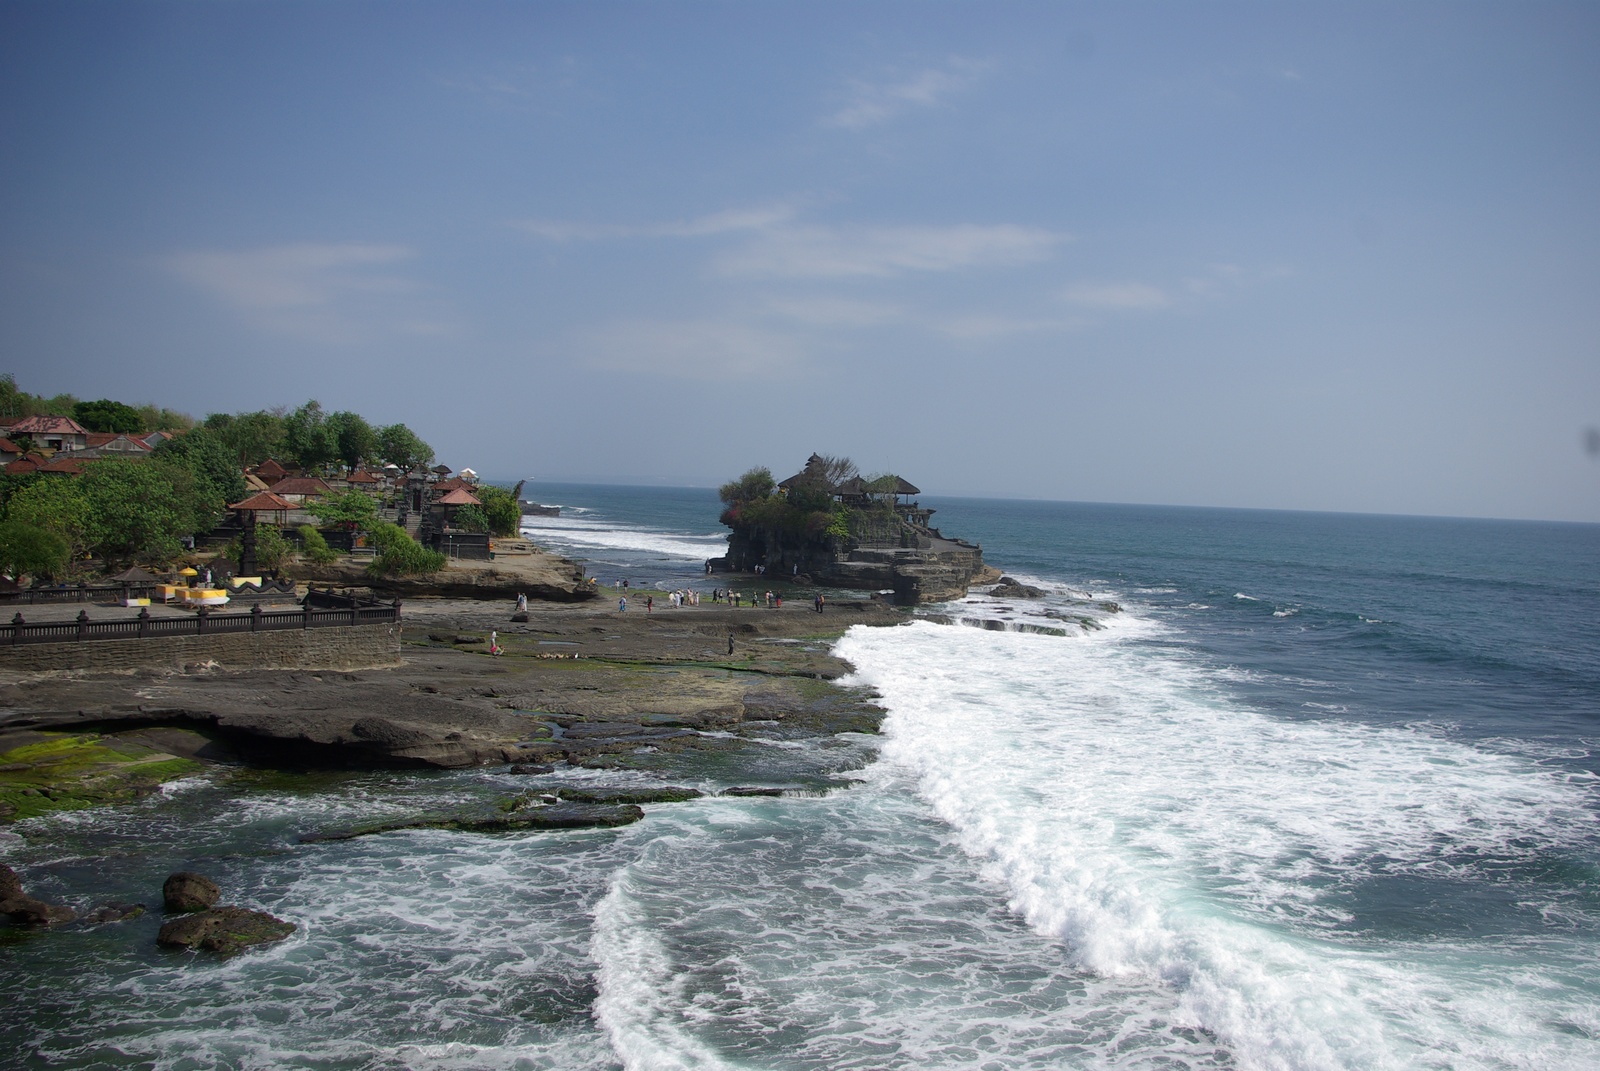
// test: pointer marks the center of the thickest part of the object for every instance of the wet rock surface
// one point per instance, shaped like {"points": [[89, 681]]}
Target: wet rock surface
{"points": [[224, 930], [188, 891], [575, 685]]}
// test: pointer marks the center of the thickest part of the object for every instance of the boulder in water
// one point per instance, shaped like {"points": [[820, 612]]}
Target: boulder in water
{"points": [[225, 930], [188, 891], [30, 911], [1009, 588]]}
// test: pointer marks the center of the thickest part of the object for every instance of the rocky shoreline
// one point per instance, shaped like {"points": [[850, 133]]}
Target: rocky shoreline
{"points": [[582, 685]]}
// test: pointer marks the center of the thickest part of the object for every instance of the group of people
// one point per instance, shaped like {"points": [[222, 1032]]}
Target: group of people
{"points": [[689, 597]]}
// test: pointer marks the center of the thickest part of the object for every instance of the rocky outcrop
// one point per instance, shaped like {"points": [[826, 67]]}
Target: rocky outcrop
{"points": [[19, 907], [1008, 588], [188, 891], [539, 575], [548, 816], [224, 930]]}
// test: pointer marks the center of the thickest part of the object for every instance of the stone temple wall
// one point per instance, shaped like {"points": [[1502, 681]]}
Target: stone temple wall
{"points": [[335, 647]]}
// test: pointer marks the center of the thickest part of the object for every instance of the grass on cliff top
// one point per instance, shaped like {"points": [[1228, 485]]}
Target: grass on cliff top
{"points": [[70, 771]]}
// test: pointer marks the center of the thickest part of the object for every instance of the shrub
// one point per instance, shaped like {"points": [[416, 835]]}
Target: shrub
{"points": [[400, 555], [316, 548], [29, 550]]}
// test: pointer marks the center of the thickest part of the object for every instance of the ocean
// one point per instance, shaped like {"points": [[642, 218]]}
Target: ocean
{"points": [[1243, 789]]}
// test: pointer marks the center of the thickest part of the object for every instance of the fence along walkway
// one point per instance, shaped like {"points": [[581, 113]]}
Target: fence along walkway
{"points": [[203, 623]]}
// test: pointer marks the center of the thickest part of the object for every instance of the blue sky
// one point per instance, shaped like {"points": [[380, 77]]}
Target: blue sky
{"points": [[1309, 256]]}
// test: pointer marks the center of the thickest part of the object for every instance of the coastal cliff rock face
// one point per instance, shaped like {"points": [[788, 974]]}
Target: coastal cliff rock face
{"points": [[932, 570], [539, 576]]}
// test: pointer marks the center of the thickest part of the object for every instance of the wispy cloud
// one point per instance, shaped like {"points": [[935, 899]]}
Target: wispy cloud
{"points": [[855, 252], [1117, 296], [333, 292], [823, 311], [873, 103], [978, 327], [706, 350], [727, 221]]}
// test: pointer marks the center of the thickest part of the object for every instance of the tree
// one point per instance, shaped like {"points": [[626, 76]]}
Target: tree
{"points": [[208, 458], [308, 438], [106, 415], [354, 440], [753, 485], [353, 508], [502, 515], [138, 510], [399, 445], [470, 519], [55, 504], [27, 550], [272, 550], [250, 437]]}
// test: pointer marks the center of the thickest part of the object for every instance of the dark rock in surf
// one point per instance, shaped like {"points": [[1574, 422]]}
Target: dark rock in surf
{"points": [[224, 930], [10, 884], [554, 816], [752, 790], [664, 794], [32, 912], [527, 768], [112, 913], [1008, 588], [188, 891]]}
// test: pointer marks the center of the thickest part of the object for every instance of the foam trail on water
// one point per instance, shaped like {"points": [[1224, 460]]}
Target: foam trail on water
{"points": [[1159, 830]]}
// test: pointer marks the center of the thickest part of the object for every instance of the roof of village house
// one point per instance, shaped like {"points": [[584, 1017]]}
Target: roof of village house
{"points": [[48, 425], [68, 465], [301, 485], [155, 437], [26, 463], [270, 468], [454, 483], [252, 482], [105, 438], [361, 476], [459, 497], [8, 446], [264, 501]]}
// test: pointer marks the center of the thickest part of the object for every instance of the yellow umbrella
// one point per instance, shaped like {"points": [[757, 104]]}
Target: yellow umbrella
{"points": [[188, 570]]}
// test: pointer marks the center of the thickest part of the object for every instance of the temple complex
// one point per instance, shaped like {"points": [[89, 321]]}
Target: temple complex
{"points": [[845, 531]]}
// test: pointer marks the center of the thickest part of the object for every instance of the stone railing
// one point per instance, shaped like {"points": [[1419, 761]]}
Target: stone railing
{"points": [[203, 623]]}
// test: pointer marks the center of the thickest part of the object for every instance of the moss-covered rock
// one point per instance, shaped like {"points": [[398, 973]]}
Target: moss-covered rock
{"points": [[225, 930], [68, 771]]}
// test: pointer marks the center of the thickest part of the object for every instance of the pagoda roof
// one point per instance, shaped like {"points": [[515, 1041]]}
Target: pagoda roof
{"points": [[270, 468], [442, 470], [454, 483], [459, 497], [361, 476], [134, 575], [264, 502], [301, 485]]}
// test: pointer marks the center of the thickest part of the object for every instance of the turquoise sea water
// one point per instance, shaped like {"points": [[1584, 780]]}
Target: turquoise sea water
{"points": [[1321, 795]]}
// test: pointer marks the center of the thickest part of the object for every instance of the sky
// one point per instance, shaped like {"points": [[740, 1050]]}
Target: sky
{"points": [[1327, 256]]}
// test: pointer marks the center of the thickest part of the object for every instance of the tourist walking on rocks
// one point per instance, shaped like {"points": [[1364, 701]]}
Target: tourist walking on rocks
{"points": [[522, 604], [649, 603], [622, 605], [730, 643]]}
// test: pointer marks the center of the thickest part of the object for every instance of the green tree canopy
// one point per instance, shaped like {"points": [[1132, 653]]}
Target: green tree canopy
{"points": [[308, 438], [55, 504], [353, 508], [209, 459], [106, 415], [400, 555], [28, 550], [399, 445], [354, 439], [138, 510], [250, 437], [502, 515], [753, 485]]}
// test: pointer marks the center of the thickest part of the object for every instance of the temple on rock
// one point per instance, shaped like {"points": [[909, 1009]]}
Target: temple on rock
{"points": [[828, 524]]}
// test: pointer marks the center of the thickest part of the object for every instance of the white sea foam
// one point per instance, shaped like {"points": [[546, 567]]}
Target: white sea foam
{"points": [[1161, 831], [601, 535]]}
